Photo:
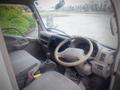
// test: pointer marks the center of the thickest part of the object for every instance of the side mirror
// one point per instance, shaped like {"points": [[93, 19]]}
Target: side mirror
{"points": [[60, 4]]}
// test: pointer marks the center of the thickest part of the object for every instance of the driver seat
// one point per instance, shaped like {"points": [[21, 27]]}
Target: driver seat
{"points": [[52, 81]]}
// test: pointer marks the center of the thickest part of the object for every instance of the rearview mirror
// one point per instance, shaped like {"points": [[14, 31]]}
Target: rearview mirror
{"points": [[60, 4]]}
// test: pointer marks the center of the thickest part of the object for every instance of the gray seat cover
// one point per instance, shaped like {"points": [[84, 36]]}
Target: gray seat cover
{"points": [[52, 81], [23, 63]]}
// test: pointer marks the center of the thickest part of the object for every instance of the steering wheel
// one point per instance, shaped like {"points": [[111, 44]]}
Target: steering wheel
{"points": [[74, 56]]}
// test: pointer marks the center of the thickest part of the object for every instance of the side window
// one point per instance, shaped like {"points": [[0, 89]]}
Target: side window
{"points": [[17, 20]]}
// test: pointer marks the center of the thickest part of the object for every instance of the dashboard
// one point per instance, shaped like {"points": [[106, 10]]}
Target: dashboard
{"points": [[103, 57]]}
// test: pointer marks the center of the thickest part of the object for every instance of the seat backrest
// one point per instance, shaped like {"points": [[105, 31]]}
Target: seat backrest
{"points": [[7, 64]]}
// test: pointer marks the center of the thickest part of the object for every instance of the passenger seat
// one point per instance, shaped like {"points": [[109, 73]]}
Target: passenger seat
{"points": [[53, 81], [23, 64]]}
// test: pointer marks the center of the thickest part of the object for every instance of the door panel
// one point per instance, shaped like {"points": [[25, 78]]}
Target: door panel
{"points": [[116, 85], [15, 42]]}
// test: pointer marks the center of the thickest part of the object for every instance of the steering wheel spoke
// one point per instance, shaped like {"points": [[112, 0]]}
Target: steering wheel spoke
{"points": [[59, 54], [72, 45]]}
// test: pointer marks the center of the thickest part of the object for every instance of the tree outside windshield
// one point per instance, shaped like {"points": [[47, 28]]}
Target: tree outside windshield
{"points": [[89, 18]]}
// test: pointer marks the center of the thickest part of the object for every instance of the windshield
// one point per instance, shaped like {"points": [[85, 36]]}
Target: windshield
{"points": [[89, 18]]}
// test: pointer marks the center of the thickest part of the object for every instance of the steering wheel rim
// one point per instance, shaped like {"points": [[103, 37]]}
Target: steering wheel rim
{"points": [[78, 62]]}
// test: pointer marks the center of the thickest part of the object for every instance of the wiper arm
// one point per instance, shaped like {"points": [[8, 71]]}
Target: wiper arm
{"points": [[111, 28]]}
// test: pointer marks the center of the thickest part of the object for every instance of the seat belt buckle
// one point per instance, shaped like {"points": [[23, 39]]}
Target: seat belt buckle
{"points": [[36, 76]]}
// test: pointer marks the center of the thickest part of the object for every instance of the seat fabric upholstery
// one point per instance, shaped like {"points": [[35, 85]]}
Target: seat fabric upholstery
{"points": [[52, 81], [23, 63]]}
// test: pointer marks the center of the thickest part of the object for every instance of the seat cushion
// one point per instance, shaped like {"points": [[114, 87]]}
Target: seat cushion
{"points": [[23, 63], [52, 81]]}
